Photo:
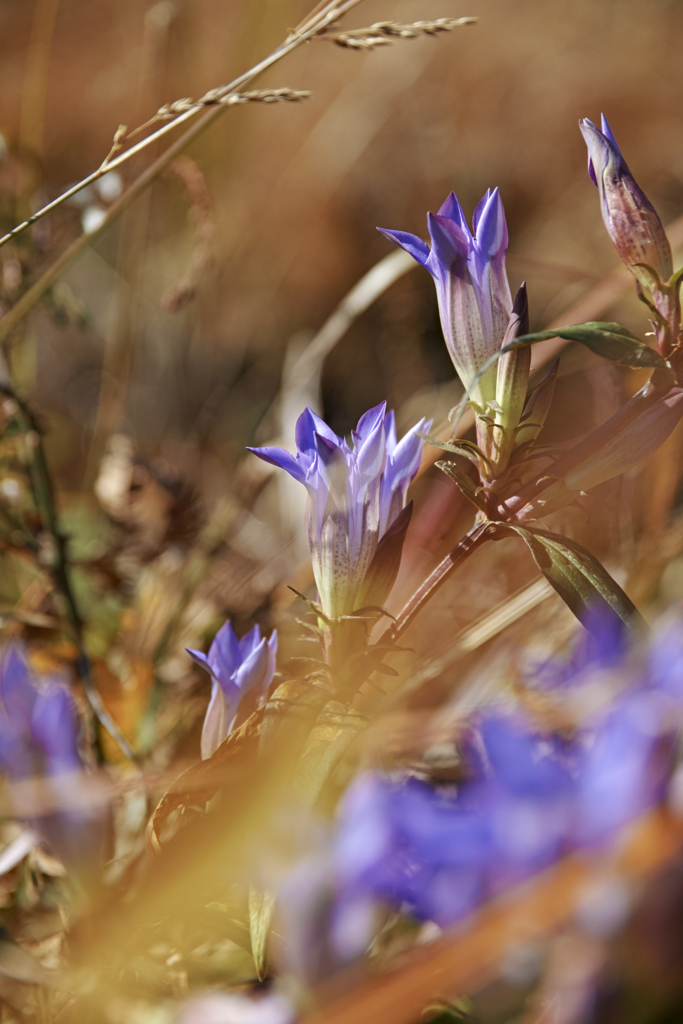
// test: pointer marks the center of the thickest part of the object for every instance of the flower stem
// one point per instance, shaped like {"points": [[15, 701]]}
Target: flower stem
{"points": [[473, 539]]}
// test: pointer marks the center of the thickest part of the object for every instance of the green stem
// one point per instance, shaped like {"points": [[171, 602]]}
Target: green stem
{"points": [[43, 496], [472, 540]]}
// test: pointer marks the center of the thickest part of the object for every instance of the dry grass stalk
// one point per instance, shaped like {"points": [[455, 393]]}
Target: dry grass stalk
{"points": [[212, 98], [316, 22], [382, 33]]}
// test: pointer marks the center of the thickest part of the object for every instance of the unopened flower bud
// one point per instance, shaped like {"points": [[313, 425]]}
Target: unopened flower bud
{"points": [[629, 216]]}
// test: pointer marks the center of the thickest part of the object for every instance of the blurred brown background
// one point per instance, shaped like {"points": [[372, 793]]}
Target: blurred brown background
{"points": [[291, 195]]}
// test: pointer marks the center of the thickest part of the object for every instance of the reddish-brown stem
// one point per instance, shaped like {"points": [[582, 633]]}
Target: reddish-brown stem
{"points": [[472, 540]]}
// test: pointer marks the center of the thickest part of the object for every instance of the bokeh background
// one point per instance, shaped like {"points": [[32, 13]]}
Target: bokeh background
{"points": [[150, 388]]}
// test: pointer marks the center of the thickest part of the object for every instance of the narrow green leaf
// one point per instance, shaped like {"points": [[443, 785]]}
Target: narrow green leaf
{"points": [[610, 340], [578, 577], [463, 482], [468, 449], [261, 908]]}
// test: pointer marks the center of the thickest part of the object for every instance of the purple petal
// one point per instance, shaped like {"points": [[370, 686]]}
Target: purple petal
{"points": [[491, 231], [452, 209], [449, 243], [17, 689], [272, 642], [200, 659], [413, 245], [281, 458], [257, 670], [250, 642], [307, 426], [224, 653], [215, 728], [54, 728], [390, 431], [368, 422], [479, 209], [608, 133]]}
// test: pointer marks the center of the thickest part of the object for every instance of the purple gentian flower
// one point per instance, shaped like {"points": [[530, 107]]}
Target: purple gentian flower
{"points": [[38, 724], [527, 798], [241, 672], [39, 730], [630, 218], [624, 765], [405, 844], [468, 268], [355, 494]]}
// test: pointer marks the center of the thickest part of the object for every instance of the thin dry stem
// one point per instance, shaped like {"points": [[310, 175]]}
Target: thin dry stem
{"points": [[322, 16], [382, 33]]}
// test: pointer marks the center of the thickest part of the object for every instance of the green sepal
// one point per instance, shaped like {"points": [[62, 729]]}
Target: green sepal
{"points": [[578, 577], [261, 908], [463, 482], [383, 570], [313, 605]]}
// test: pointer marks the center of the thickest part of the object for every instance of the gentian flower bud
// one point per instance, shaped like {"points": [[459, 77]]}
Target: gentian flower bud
{"points": [[241, 672], [474, 297], [630, 218], [356, 493]]}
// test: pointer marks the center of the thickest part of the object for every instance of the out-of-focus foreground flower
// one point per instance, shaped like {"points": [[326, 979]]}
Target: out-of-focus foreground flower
{"points": [[39, 740], [241, 672], [531, 796], [356, 493]]}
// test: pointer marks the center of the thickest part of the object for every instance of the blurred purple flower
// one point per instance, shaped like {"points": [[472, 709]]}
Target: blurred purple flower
{"points": [[468, 268], [408, 845], [38, 724], [356, 493], [624, 765], [241, 672], [630, 218], [39, 738], [527, 798]]}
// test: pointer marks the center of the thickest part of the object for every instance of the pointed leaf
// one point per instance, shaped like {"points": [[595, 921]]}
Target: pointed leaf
{"points": [[468, 449], [383, 570], [578, 577], [261, 908], [610, 340], [463, 482]]}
